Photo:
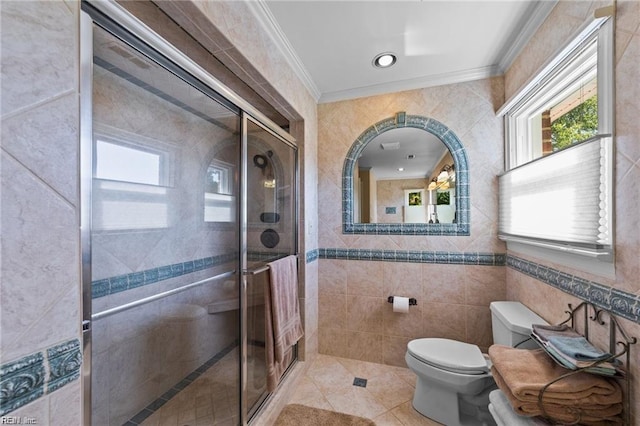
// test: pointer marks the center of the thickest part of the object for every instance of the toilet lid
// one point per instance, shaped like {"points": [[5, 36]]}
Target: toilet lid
{"points": [[449, 355]]}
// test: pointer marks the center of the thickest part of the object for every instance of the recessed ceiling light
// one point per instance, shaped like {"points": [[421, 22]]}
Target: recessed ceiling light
{"points": [[384, 60], [401, 169]]}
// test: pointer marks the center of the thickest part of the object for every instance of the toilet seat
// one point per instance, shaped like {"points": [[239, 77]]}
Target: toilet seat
{"points": [[450, 355]]}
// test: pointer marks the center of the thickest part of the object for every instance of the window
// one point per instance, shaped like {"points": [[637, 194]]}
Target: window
{"points": [[131, 182], [126, 164], [557, 191], [571, 100], [219, 175], [219, 202]]}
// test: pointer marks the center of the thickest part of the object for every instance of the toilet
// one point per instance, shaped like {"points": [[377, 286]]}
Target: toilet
{"points": [[454, 378]]}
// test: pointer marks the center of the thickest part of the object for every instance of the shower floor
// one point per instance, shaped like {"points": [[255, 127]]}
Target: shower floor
{"points": [[213, 398]]}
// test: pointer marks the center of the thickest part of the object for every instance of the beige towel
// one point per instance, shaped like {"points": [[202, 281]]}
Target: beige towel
{"points": [[521, 374], [527, 371], [591, 415], [283, 327]]}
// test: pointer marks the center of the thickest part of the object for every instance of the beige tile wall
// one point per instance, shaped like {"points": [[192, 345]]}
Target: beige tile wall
{"points": [[355, 319], [564, 20]]}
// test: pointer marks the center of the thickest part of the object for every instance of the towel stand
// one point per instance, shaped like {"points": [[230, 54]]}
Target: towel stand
{"points": [[619, 346]]}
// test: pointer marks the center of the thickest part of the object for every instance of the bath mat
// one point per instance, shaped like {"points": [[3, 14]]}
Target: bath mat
{"points": [[297, 415]]}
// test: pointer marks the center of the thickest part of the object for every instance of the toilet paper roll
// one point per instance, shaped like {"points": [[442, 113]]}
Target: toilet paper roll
{"points": [[400, 304]]}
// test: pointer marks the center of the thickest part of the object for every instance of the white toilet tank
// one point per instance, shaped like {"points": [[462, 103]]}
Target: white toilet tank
{"points": [[511, 323]]}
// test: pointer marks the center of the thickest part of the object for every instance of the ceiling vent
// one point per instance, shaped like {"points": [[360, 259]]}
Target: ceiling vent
{"points": [[390, 146]]}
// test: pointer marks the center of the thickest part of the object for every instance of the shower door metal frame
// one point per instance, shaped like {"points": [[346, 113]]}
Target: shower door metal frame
{"points": [[247, 412], [122, 20]]}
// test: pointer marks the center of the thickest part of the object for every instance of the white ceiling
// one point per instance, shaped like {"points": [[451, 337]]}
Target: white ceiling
{"points": [[426, 150], [331, 44]]}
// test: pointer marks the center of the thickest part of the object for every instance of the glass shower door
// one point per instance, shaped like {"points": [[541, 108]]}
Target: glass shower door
{"points": [[164, 245], [271, 234]]}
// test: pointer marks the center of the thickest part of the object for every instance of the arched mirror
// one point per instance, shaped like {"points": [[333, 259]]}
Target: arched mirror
{"points": [[406, 175]]}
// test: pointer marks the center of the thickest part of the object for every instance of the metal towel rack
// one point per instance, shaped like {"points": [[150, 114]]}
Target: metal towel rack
{"points": [[619, 346], [262, 268]]}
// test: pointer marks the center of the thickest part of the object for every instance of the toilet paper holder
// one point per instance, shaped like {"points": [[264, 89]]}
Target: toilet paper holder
{"points": [[412, 301]]}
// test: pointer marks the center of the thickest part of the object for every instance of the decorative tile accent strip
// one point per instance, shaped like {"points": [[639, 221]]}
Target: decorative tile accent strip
{"points": [[22, 381], [618, 302], [64, 364], [312, 256], [112, 285], [175, 390], [450, 140], [415, 256]]}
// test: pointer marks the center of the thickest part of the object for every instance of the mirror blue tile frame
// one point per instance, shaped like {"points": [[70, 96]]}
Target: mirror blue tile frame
{"points": [[451, 141]]}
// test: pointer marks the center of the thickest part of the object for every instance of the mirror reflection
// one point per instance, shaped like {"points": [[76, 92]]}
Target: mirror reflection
{"points": [[404, 175]]}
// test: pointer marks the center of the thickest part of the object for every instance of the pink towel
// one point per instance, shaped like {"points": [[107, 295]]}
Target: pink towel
{"points": [[283, 324]]}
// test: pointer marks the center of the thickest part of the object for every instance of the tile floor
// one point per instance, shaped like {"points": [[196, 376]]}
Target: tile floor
{"points": [[328, 382], [386, 399]]}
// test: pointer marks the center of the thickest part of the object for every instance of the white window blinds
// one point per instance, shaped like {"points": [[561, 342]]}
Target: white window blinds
{"points": [[563, 200]]}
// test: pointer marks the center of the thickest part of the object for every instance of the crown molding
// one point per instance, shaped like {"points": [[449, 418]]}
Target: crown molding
{"points": [[411, 84], [534, 17], [261, 12]]}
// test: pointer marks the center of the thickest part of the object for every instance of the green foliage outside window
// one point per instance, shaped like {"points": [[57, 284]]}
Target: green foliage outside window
{"points": [[577, 125]]}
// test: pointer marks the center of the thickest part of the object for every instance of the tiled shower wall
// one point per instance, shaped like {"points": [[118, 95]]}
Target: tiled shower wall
{"points": [[40, 315], [355, 319], [623, 291]]}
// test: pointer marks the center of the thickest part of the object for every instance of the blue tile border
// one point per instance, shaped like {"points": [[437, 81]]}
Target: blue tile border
{"points": [[415, 256], [23, 381], [451, 141], [64, 364], [620, 303], [119, 283], [112, 285], [311, 256]]}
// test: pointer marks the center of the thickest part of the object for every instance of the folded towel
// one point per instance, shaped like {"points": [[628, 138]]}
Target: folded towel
{"points": [[577, 348], [283, 327], [526, 372], [545, 336], [544, 332], [605, 368], [589, 415], [504, 415]]}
